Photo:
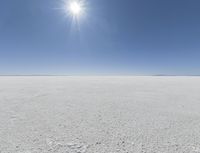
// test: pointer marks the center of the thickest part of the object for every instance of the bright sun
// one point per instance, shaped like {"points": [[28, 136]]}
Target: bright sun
{"points": [[75, 8]]}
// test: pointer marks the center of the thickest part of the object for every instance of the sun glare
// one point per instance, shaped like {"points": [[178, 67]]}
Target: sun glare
{"points": [[75, 8], [75, 11]]}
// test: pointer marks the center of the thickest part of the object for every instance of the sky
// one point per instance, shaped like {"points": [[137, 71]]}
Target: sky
{"points": [[113, 37]]}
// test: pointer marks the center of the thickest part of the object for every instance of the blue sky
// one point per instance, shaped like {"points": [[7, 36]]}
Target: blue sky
{"points": [[115, 37]]}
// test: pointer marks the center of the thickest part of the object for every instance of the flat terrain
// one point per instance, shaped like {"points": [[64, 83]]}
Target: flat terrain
{"points": [[99, 114]]}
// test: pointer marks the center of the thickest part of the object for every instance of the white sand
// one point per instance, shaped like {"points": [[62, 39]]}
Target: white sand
{"points": [[99, 114]]}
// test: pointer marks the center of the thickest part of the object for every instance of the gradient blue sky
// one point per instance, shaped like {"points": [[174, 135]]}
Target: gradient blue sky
{"points": [[130, 37]]}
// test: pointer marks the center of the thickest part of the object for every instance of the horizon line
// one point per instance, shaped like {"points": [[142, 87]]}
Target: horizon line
{"points": [[87, 75]]}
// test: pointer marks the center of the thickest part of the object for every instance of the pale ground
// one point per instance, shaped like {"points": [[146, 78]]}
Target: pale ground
{"points": [[99, 114]]}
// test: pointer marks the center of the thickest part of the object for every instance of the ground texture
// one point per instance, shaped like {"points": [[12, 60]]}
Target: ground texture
{"points": [[99, 115]]}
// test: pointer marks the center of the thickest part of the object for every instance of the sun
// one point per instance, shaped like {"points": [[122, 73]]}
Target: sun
{"points": [[75, 8]]}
